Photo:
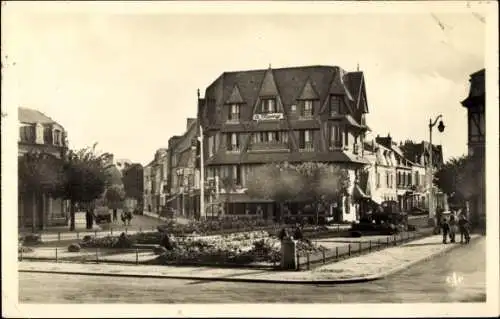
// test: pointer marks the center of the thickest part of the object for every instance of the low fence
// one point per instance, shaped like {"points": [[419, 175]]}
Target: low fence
{"points": [[362, 246], [80, 235], [217, 258]]}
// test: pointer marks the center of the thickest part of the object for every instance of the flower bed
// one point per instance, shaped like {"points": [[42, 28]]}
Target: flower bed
{"points": [[256, 247], [263, 251]]}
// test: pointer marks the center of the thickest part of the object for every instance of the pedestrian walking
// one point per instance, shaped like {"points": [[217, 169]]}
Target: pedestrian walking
{"points": [[128, 216], [445, 227], [453, 225], [123, 218], [463, 225], [88, 218], [115, 214]]}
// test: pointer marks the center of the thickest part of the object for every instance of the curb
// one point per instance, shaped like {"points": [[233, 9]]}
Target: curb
{"points": [[254, 280], [414, 262], [193, 278]]}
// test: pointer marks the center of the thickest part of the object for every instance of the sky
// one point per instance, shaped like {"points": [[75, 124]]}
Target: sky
{"points": [[128, 80]]}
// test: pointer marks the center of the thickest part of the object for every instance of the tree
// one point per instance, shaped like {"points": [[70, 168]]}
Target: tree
{"points": [[115, 195], [460, 178], [316, 183], [322, 184], [85, 178], [39, 173], [279, 182]]}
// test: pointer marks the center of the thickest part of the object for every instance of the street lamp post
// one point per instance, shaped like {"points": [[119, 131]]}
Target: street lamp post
{"points": [[432, 206], [202, 177]]}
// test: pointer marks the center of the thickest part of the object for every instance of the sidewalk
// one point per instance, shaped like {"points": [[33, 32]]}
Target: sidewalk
{"points": [[363, 268]]}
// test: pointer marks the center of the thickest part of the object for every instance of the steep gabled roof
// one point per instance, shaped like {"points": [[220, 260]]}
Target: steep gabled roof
{"points": [[356, 84], [235, 97], [308, 92], [288, 81], [268, 86]]}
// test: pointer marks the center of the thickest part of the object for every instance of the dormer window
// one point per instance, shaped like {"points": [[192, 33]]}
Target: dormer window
{"points": [[268, 105], [234, 113], [335, 105], [308, 108]]}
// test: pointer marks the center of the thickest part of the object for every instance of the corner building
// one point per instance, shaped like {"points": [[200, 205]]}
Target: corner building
{"points": [[297, 114]]}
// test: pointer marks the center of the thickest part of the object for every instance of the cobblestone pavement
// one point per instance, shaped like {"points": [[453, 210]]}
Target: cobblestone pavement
{"points": [[446, 278]]}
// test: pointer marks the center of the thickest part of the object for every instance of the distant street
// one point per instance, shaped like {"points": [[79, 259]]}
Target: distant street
{"points": [[458, 276], [138, 222]]}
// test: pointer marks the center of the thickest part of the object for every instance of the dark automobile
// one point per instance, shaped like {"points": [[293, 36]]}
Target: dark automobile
{"points": [[168, 212]]}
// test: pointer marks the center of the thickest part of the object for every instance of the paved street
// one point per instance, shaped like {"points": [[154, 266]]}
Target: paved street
{"points": [[457, 276], [139, 222]]}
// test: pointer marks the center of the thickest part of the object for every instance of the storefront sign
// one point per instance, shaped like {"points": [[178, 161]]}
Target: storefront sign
{"points": [[268, 117]]}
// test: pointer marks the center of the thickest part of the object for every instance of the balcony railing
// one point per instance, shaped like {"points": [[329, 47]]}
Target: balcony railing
{"points": [[307, 147], [234, 118], [306, 114], [336, 145], [263, 146], [234, 149]]}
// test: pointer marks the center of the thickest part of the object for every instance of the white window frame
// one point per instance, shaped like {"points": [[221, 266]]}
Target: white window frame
{"points": [[266, 105], [234, 113], [235, 145], [308, 141], [308, 108], [336, 136]]}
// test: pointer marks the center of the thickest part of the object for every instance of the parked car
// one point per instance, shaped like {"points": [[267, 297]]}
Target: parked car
{"points": [[168, 212]]}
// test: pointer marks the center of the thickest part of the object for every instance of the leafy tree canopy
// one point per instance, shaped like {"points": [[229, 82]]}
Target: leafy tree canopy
{"points": [[313, 182], [85, 175], [40, 172], [114, 196], [461, 178]]}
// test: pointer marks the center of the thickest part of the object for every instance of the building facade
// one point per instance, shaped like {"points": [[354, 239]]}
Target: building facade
{"points": [[155, 176], [475, 104], [381, 172], [39, 133], [300, 114], [410, 177], [148, 187], [419, 155], [184, 176]]}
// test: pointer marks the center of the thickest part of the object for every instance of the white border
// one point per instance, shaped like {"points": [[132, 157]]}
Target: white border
{"points": [[9, 181]]}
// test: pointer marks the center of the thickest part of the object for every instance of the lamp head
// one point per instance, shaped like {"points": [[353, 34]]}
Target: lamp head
{"points": [[441, 126]]}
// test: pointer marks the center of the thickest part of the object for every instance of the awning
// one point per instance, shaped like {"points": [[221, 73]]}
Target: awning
{"points": [[241, 198], [358, 193]]}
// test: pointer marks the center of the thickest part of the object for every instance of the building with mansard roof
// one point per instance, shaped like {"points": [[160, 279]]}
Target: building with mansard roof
{"points": [[40, 133], [296, 114]]}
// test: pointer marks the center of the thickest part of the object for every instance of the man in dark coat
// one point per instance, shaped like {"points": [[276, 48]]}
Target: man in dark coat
{"points": [[445, 227]]}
